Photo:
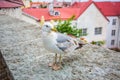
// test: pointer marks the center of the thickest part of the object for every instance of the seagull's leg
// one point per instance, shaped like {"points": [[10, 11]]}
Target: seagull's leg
{"points": [[55, 61], [55, 58], [55, 65], [60, 60]]}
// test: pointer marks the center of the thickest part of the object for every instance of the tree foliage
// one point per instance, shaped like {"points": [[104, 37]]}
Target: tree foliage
{"points": [[66, 27]]}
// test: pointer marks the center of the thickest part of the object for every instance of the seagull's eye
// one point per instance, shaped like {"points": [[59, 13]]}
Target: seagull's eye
{"points": [[47, 26]]}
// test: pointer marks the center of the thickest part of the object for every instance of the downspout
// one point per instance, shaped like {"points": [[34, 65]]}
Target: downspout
{"points": [[118, 32]]}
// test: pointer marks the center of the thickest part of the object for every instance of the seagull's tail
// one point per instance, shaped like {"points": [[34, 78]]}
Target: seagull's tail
{"points": [[80, 45]]}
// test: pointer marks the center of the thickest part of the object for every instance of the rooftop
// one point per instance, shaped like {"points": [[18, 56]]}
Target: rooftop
{"points": [[65, 13], [10, 3], [106, 8]]}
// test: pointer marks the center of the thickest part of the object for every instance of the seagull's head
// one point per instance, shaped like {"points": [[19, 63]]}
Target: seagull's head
{"points": [[48, 27]]}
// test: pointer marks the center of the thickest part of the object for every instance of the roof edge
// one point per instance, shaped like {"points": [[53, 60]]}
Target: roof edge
{"points": [[100, 11], [89, 3], [22, 4], [30, 16]]}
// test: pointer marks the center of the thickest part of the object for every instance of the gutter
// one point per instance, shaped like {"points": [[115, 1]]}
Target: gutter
{"points": [[29, 16], [16, 2], [118, 33]]}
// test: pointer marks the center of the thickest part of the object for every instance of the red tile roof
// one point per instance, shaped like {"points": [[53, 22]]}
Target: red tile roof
{"points": [[65, 13], [83, 6], [9, 4], [109, 8], [106, 8]]}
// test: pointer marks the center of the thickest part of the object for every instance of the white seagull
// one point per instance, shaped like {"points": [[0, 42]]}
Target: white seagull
{"points": [[57, 43]]}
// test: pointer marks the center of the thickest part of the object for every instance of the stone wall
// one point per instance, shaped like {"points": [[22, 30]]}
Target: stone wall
{"points": [[22, 48], [14, 12], [5, 73]]}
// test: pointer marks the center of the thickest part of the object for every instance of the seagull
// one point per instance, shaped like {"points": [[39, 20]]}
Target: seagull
{"points": [[57, 43]]}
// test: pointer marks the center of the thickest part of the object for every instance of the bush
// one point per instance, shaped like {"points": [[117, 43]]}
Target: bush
{"points": [[99, 43], [66, 27]]}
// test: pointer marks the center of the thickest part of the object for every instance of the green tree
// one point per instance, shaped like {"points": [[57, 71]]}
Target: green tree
{"points": [[66, 27]]}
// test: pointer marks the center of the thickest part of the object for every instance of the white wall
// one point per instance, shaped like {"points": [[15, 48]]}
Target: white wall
{"points": [[91, 19], [111, 27]]}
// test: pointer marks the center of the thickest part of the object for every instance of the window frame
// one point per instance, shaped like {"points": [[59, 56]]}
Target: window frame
{"points": [[113, 42], [98, 30], [114, 21], [84, 31], [113, 32]]}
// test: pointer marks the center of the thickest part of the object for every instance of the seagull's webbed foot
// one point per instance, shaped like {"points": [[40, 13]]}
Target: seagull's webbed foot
{"points": [[50, 64], [56, 65]]}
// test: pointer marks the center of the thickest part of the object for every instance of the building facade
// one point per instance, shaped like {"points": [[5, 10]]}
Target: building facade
{"points": [[113, 32], [93, 23]]}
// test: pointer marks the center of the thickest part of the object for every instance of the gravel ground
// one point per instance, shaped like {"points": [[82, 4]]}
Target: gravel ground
{"points": [[21, 46]]}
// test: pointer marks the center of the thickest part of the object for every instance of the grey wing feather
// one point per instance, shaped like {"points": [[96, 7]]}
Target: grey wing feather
{"points": [[62, 38], [63, 41]]}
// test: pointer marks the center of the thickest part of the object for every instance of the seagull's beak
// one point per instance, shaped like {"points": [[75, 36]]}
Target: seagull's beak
{"points": [[54, 29]]}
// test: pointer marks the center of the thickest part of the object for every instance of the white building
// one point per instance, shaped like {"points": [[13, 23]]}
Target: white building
{"points": [[94, 23], [113, 38], [91, 17]]}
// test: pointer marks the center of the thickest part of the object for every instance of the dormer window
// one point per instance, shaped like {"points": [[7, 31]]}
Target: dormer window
{"points": [[57, 13]]}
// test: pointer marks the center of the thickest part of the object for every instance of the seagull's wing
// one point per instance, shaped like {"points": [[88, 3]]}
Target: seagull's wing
{"points": [[66, 43], [62, 38]]}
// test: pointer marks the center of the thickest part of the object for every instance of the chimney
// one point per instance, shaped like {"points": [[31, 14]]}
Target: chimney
{"points": [[90, 0]]}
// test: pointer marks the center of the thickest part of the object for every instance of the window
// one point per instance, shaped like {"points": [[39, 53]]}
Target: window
{"points": [[114, 22], [113, 33], [56, 13], [98, 30], [84, 31], [112, 42]]}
